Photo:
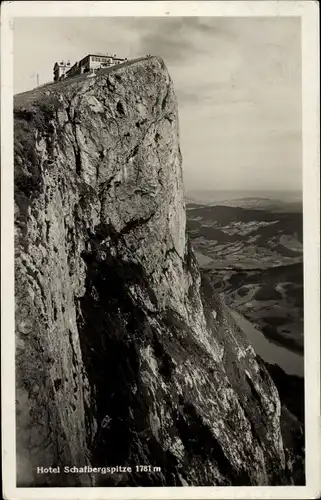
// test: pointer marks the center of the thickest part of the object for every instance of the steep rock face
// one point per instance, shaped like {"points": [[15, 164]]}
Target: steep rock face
{"points": [[124, 354]]}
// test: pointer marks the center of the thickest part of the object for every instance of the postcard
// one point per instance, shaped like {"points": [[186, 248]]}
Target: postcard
{"points": [[160, 250]]}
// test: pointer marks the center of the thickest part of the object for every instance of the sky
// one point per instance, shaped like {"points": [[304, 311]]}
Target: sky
{"points": [[237, 81]]}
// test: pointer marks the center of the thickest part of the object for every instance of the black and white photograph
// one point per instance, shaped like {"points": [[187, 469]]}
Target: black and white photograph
{"points": [[163, 244]]}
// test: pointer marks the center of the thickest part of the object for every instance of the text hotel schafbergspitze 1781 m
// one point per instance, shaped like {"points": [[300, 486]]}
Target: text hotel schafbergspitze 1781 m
{"points": [[100, 470]]}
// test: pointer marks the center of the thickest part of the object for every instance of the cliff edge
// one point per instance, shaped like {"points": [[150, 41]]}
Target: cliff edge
{"points": [[124, 355]]}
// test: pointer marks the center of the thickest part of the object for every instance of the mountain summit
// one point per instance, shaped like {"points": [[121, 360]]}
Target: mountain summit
{"points": [[125, 356]]}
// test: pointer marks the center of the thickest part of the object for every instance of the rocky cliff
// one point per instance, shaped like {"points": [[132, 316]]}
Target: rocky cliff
{"points": [[125, 356]]}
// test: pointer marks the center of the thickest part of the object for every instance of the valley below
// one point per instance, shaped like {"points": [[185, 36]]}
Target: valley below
{"points": [[251, 250], [255, 258]]}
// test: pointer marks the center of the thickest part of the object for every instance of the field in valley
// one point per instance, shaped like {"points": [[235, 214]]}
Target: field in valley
{"points": [[255, 257]]}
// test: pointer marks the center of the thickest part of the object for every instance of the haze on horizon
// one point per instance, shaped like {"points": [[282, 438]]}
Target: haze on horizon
{"points": [[237, 81]]}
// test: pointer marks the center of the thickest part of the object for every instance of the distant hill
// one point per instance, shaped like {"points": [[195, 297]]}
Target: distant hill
{"points": [[254, 257], [224, 223], [275, 201]]}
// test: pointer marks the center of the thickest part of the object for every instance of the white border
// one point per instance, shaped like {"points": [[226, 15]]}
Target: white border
{"points": [[308, 11]]}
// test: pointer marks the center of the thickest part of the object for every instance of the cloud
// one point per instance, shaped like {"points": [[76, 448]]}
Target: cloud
{"points": [[179, 39], [171, 39]]}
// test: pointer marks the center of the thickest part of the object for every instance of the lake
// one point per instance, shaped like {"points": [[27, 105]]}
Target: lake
{"points": [[291, 362]]}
